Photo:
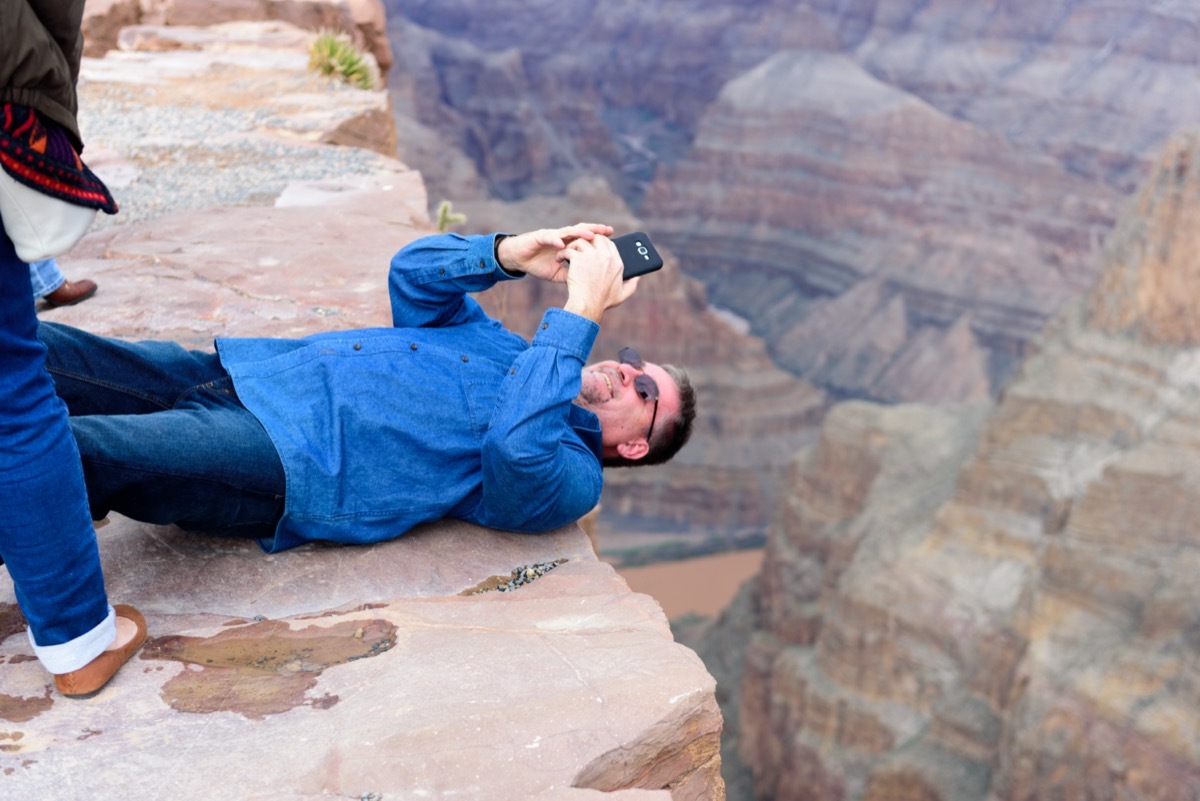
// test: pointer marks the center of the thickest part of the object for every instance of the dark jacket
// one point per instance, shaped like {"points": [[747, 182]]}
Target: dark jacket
{"points": [[40, 49]]}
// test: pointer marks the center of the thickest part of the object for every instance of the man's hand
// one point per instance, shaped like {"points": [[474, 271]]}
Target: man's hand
{"points": [[595, 280], [540, 253]]}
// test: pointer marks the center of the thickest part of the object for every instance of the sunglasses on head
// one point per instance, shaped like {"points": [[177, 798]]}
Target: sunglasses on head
{"points": [[643, 384]]}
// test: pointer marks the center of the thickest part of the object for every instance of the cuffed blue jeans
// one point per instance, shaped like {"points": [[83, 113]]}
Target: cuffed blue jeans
{"points": [[162, 435], [46, 277], [46, 537]]}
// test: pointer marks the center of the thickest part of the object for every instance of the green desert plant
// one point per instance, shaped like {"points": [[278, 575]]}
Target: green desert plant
{"points": [[332, 53], [446, 216]]}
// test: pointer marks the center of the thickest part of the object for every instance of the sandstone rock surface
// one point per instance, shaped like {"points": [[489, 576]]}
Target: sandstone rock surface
{"points": [[340, 670], [397, 670]]}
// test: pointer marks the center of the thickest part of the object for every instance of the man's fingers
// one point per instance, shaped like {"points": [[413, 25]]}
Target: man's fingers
{"points": [[611, 247], [628, 288], [551, 239], [586, 231], [576, 246]]}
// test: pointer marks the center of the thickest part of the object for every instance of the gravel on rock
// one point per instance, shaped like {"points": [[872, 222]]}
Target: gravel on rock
{"points": [[187, 157]]}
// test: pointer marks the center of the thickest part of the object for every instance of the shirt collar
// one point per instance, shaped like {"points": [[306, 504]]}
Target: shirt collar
{"points": [[587, 426]]}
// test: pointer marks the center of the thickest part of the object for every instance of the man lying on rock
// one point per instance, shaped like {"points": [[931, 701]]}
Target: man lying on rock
{"points": [[357, 436]]}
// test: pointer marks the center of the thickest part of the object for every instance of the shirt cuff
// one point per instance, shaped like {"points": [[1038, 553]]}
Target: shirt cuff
{"points": [[567, 332], [483, 253]]}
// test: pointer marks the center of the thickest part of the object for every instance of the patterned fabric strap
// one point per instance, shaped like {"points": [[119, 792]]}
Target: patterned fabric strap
{"points": [[39, 154]]}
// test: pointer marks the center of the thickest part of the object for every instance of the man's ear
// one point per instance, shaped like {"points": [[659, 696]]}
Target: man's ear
{"points": [[634, 449]]}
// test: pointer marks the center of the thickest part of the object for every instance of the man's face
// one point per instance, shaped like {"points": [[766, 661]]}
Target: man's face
{"points": [[610, 391]]}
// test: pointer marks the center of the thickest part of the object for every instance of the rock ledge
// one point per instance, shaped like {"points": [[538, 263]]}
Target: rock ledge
{"points": [[324, 671]]}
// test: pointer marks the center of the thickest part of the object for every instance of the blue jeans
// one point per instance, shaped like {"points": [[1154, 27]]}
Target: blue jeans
{"points": [[163, 436], [46, 535], [46, 277]]}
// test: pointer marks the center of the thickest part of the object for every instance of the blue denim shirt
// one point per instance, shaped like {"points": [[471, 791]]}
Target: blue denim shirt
{"points": [[447, 414]]}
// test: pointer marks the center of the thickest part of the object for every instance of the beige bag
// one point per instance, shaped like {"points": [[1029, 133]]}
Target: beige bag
{"points": [[40, 226]]}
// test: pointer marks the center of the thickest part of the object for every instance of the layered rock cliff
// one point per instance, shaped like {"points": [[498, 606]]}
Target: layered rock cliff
{"points": [[1000, 603], [935, 177], [885, 231], [454, 661]]}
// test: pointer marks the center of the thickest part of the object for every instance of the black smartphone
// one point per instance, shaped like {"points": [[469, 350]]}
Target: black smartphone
{"points": [[637, 254]]}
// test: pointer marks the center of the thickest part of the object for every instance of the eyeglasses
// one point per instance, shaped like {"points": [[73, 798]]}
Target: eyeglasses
{"points": [[643, 384]]}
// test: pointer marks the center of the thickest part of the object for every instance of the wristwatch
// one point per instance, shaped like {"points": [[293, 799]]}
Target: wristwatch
{"points": [[496, 248]]}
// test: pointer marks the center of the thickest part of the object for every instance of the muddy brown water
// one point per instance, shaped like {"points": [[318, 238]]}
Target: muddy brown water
{"points": [[702, 586]]}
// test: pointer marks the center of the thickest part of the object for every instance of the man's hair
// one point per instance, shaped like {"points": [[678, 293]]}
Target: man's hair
{"points": [[671, 433]]}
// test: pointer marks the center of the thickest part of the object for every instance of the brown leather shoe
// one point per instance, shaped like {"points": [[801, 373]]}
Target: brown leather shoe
{"points": [[71, 292], [91, 678]]}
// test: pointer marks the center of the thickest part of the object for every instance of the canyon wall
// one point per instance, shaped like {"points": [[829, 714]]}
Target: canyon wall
{"points": [[896, 193], [999, 602]]}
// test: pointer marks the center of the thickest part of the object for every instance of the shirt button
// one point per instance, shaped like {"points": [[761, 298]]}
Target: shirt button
{"points": [[357, 346], [441, 272], [545, 326], [512, 371], [482, 264], [465, 359], [413, 346]]}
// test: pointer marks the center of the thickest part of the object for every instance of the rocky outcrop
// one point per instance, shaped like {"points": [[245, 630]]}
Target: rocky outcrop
{"points": [[452, 662], [962, 162], [955, 607], [1149, 287], [386, 671]]}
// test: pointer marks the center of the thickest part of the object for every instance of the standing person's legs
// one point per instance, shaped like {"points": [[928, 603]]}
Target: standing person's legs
{"points": [[46, 535], [46, 277], [50, 284]]}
